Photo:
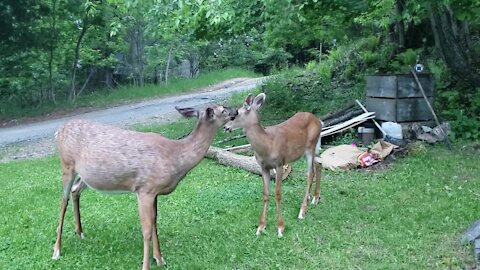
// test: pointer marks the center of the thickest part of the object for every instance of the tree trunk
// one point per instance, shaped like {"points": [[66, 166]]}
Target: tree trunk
{"points": [[193, 64], [92, 71], [137, 46], [230, 159], [169, 59], [53, 39], [320, 53], [399, 7], [243, 162], [72, 95], [451, 40], [108, 72]]}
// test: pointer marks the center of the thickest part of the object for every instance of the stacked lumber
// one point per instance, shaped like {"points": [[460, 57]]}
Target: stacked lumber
{"points": [[340, 127]]}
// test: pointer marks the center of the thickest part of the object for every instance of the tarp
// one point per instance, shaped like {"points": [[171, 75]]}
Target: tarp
{"points": [[345, 157], [342, 157], [382, 149]]}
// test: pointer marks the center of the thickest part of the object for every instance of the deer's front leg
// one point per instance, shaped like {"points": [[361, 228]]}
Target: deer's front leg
{"points": [[263, 215], [157, 253], [278, 198], [145, 209]]}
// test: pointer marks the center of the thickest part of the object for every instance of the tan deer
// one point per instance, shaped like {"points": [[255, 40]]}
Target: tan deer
{"points": [[110, 159], [278, 145]]}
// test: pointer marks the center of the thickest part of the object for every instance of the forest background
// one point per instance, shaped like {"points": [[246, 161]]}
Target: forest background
{"points": [[54, 51]]}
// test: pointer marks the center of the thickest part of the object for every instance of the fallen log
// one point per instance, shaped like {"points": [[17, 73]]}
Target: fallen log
{"points": [[247, 163], [245, 147], [236, 137]]}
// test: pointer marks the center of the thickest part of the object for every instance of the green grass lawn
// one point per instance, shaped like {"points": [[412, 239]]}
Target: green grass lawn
{"points": [[408, 217]]}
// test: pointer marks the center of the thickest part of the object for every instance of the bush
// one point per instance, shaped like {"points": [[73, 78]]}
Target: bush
{"points": [[466, 127], [462, 110], [300, 90], [244, 51]]}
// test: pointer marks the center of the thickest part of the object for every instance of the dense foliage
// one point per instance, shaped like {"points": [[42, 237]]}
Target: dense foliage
{"points": [[58, 49]]}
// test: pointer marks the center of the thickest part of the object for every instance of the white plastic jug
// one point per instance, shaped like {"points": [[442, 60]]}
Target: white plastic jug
{"points": [[393, 129]]}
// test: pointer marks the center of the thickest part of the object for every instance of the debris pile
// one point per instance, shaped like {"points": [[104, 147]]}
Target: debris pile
{"points": [[345, 157]]}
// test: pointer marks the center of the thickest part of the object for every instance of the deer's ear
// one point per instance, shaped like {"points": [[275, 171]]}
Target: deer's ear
{"points": [[187, 112], [259, 100], [248, 102], [209, 113]]}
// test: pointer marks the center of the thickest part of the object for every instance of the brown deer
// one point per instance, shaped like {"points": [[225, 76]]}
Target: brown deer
{"points": [[110, 159], [278, 145]]}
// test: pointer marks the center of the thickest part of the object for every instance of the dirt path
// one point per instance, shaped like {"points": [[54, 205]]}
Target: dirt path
{"points": [[35, 139]]}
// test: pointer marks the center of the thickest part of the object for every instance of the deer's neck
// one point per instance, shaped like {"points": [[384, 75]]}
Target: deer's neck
{"points": [[258, 138], [194, 147]]}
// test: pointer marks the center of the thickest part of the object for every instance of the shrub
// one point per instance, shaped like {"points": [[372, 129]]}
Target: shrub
{"points": [[300, 90]]}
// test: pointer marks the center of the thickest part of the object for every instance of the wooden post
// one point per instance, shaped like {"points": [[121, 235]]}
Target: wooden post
{"points": [[431, 108]]}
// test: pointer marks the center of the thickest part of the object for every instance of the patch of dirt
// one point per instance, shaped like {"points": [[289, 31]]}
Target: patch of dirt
{"points": [[27, 150]]}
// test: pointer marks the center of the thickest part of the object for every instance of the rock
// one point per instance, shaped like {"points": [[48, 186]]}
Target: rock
{"points": [[427, 137], [477, 249], [472, 233]]}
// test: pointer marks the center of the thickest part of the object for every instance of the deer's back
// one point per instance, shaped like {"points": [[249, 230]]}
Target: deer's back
{"points": [[303, 126], [104, 155], [292, 137]]}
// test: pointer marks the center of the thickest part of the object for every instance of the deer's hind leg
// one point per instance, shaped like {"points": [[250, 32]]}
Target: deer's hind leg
{"points": [[77, 188], [311, 171], [318, 176], [68, 176], [278, 199]]}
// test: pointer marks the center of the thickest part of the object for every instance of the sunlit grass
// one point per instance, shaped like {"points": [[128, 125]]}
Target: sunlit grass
{"points": [[409, 217]]}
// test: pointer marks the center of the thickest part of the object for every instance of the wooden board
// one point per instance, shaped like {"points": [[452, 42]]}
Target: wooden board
{"points": [[407, 87], [399, 86], [400, 110], [382, 86]]}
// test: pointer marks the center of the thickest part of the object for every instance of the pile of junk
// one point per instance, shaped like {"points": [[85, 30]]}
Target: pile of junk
{"points": [[397, 111]]}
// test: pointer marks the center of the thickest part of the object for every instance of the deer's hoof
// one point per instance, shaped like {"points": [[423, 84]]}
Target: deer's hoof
{"points": [[56, 254], [260, 229], [160, 261], [301, 215], [315, 200], [280, 232]]}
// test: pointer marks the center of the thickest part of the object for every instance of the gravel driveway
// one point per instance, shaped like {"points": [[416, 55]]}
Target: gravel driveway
{"points": [[33, 140]]}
